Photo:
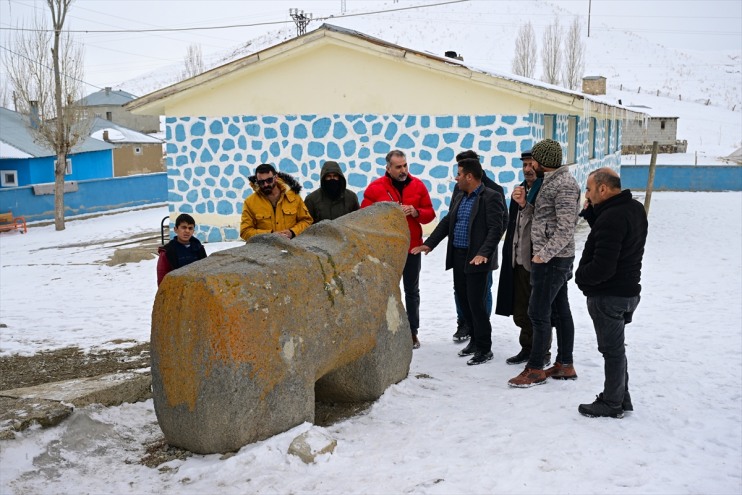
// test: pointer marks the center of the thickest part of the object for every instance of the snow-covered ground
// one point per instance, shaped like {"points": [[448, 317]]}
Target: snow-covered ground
{"points": [[448, 428]]}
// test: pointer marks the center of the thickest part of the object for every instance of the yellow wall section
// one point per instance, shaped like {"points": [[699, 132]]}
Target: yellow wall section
{"points": [[337, 80]]}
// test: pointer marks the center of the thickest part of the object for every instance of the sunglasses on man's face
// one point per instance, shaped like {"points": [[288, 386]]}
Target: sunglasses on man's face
{"points": [[266, 182]]}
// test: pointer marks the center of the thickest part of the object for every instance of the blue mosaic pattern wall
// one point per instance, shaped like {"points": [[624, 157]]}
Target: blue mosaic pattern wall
{"points": [[209, 159]]}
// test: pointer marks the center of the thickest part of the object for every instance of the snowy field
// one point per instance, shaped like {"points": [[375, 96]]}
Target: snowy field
{"points": [[448, 428]]}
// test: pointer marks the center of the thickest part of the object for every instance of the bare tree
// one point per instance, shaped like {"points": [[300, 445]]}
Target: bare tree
{"points": [[194, 64], [551, 53], [574, 56], [524, 63], [45, 70]]}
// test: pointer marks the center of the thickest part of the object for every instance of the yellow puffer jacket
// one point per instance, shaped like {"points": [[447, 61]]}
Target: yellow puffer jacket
{"points": [[259, 217]]}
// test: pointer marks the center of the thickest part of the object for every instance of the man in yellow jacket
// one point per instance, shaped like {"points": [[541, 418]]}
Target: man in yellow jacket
{"points": [[275, 206]]}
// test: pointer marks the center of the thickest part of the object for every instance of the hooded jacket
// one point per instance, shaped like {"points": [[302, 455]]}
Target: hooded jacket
{"points": [[324, 207], [259, 216]]}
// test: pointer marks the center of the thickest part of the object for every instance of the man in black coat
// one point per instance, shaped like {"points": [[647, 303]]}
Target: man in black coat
{"points": [[474, 227], [462, 329], [609, 275], [514, 289]]}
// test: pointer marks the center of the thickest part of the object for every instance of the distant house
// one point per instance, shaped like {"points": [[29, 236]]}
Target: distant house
{"points": [[25, 162], [134, 152], [108, 104], [638, 135], [337, 94], [115, 167]]}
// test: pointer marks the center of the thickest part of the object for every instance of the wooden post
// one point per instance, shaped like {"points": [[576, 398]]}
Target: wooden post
{"points": [[650, 179]]}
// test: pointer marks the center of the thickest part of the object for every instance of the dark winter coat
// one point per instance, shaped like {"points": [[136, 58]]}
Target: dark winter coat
{"points": [[498, 189], [485, 230], [612, 259], [504, 305], [324, 207], [168, 256]]}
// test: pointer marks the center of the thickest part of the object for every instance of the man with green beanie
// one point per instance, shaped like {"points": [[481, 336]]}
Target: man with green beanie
{"points": [[331, 200], [554, 216]]}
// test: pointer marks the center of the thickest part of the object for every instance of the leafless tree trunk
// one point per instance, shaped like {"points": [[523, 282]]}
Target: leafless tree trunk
{"points": [[194, 64], [45, 72], [574, 56], [551, 53], [524, 63]]}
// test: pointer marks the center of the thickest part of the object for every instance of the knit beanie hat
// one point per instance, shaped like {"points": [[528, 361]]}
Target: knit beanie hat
{"points": [[548, 153]]}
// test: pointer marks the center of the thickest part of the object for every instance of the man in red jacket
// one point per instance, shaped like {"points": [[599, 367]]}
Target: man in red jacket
{"points": [[399, 186]]}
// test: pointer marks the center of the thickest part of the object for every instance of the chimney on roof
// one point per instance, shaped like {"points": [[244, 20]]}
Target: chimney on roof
{"points": [[593, 85], [452, 54], [105, 136], [107, 89]]}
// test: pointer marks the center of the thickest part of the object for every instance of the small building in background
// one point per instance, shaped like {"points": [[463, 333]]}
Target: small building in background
{"points": [[594, 85], [638, 135], [109, 104]]}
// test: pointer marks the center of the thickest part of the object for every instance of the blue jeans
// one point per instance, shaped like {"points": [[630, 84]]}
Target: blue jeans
{"points": [[488, 302], [411, 283], [550, 303], [610, 314]]}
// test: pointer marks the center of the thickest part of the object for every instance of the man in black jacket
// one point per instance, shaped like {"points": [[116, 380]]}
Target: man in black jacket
{"points": [[462, 329], [609, 275], [474, 227]]}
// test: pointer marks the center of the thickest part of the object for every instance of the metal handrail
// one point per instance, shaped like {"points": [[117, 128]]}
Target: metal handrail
{"points": [[162, 228]]}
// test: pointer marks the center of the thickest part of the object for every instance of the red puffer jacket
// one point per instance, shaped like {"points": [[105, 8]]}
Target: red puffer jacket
{"points": [[414, 194]]}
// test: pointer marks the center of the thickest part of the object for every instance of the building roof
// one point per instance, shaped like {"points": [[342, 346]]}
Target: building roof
{"points": [[650, 112], [15, 131], [106, 97], [119, 134], [156, 102]]}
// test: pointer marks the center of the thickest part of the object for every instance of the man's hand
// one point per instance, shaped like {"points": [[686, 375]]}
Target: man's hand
{"points": [[420, 249], [478, 260], [537, 259], [285, 233], [410, 210], [519, 196]]}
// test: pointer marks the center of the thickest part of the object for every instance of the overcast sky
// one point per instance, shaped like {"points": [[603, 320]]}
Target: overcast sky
{"points": [[112, 58]]}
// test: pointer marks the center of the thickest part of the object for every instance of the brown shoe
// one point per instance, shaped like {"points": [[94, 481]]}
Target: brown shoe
{"points": [[562, 372], [528, 378], [415, 342]]}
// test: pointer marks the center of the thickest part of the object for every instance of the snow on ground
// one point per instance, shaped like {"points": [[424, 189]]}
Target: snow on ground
{"points": [[448, 428]]}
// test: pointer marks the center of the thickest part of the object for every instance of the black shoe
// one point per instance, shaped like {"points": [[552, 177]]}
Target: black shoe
{"points": [[519, 358], [480, 358], [626, 404], [468, 350], [462, 332], [600, 409]]}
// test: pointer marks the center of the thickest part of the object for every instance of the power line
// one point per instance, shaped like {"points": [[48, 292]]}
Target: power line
{"points": [[231, 26], [48, 68]]}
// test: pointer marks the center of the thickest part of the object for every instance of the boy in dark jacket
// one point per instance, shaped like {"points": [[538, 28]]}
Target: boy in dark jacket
{"points": [[184, 249]]}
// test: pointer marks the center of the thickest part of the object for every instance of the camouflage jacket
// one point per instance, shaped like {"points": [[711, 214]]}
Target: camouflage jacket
{"points": [[554, 215]]}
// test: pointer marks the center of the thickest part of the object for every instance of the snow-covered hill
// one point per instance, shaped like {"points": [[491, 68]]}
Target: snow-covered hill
{"points": [[638, 71]]}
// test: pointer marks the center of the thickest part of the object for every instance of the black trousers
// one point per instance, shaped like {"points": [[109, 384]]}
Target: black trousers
{"points": [[471, 290]]}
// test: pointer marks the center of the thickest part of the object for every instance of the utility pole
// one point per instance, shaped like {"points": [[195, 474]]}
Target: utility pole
{"points": [[301, 20], [589, 9]]}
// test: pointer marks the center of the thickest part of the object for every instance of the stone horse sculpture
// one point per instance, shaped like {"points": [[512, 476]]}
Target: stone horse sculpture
{"points": [[244, 340]]}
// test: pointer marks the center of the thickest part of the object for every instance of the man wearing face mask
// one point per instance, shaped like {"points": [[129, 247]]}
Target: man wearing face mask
{"points": [[332, 200], [275, 206]]}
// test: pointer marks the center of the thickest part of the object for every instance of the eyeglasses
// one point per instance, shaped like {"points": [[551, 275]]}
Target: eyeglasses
{"points": [[267, 181]]}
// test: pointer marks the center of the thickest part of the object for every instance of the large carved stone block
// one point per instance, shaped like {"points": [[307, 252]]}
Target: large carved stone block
{"points": [[243, 340]]}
